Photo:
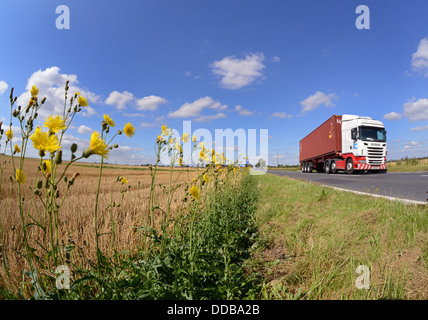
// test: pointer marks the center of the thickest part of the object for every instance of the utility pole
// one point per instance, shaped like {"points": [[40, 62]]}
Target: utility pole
{"points": [[277, 158]]}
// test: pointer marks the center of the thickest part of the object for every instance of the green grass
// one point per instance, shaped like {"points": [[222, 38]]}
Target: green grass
{"points": [[408, 165], [313, 239]]}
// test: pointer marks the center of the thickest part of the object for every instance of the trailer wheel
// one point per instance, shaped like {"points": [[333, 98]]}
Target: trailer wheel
{"points": [[349, 166], [333, 167], [327, 167], [310, 167], [303, 167]]}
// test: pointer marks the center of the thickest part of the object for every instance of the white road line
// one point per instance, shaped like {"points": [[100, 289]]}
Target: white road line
{"points": [[424, 175], [407, 201]]}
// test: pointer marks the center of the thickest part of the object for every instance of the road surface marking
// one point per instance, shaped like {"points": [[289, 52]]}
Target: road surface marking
{"points": [[379, 196]]}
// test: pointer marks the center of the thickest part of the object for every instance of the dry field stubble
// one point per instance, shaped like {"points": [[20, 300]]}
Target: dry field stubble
{"points": [[77, 213]]}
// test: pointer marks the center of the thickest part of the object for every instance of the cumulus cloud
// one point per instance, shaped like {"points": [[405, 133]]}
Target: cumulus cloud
{"points": [[314, 101], [3, 87], [423, 128], [243, 112], [416, 110], [392, 116], [150, 103], [420, 58], [51, 84], [237, 73], [281, 115], [119, 99], [195, 108], [210, 117], [84, 130]]}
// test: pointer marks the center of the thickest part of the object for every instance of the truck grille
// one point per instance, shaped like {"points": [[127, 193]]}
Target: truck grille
{"points": [[375, 156]]}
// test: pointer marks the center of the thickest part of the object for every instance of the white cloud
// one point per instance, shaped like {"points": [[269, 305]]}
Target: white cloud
{"points": [[210, 117], [416, 110], [134, 115], [51, 84], [195, 108], [419, 128], [243, 112], [237, 73], [314, 101], [3, 87], [412, 145], [392, 116], [119, 99], [420, 58], [281, 115], [157, 122], [84, 130], [150, 103], [275, 59]]}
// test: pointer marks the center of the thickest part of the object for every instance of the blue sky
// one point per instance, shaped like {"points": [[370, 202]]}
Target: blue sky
{"points": [[285, 66]]}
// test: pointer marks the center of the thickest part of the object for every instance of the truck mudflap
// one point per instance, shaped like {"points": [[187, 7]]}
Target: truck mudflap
{"points": [[370, 167]]}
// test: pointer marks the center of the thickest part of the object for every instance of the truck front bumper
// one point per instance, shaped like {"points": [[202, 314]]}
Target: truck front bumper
{"points": [[370, 167]]}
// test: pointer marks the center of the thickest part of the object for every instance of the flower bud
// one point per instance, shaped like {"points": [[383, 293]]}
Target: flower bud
{"points": [[73, 148], [39, 184], [42, 153], [58, 157]]}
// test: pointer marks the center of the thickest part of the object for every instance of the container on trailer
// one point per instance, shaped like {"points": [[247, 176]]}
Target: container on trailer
{"points": [[326, 140]]}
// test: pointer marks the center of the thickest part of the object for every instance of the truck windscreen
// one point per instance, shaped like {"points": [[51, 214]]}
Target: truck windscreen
{"points": [[372, 134]]}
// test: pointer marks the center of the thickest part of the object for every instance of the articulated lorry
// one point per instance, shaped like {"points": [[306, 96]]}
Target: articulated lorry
{"points": [[349, 143]]}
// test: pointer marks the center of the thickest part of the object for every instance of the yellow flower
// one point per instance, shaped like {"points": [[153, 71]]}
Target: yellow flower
{"points": [[44, 141], [9, 134], [129, 130], [202, 145], [195, 192], [48, 164], [185, 137], [109, 120], [124, 180], [180, 161], [20, 176], [201, 154], [17, 149], [55, 124], [34, 91], [82, 101], [97, 146], [165, 131], [194, 138], [206, 178], [160, 139]]}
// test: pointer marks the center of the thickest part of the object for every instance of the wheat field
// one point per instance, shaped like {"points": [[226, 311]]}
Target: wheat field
{"points": [[76, 216]]}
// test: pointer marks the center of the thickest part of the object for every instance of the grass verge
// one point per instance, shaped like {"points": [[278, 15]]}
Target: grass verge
{"points": [[313, 239]]}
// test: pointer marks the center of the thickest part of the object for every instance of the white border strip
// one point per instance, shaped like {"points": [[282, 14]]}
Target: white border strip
{"points": [[407, 201]]}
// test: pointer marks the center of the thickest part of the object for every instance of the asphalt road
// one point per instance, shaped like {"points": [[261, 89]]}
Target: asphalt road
{"points": [[411, 186]]}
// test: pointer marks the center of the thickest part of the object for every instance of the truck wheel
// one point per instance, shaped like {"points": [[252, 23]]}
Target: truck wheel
{"points": [[349, 166], [333, 167], [304, 167], [310, 167], [327, 167]]}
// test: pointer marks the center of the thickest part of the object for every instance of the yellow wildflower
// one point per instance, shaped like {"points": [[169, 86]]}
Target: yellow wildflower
{"points": [[16, 149], [206, 178], [9, 134], [48, 165], [165, 131], [124, 180], [55, 124], [129, 130], [185, 137], [195, 192], [20, 176], [44, 141], [194, 138], [83, 102], [109, 120], [34, 91], [97, 146]]}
